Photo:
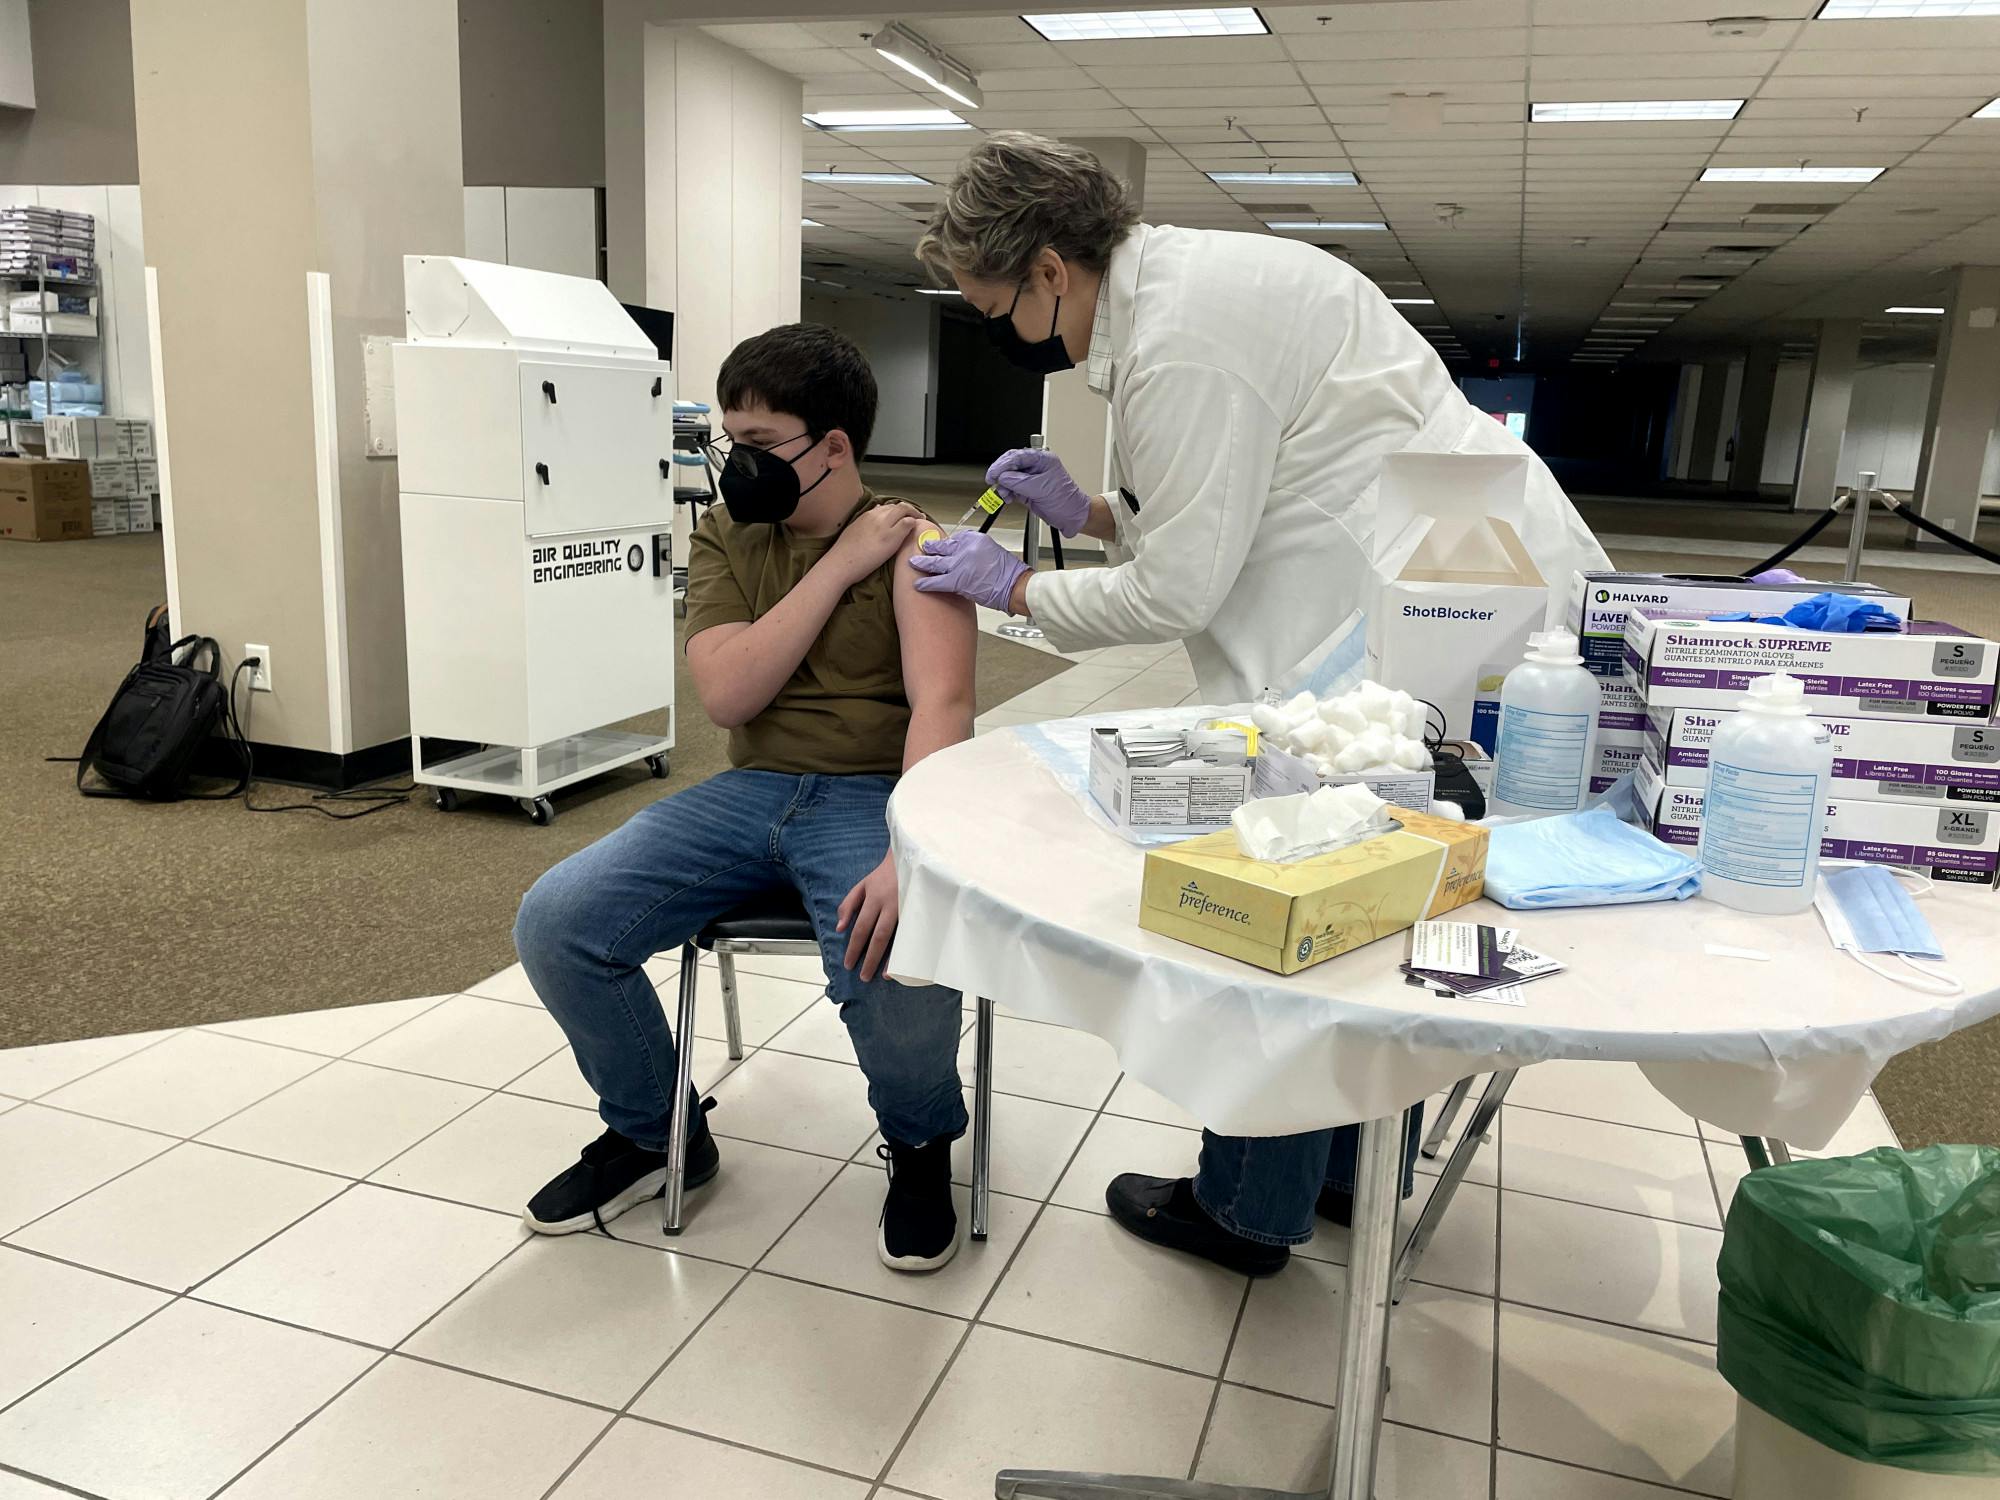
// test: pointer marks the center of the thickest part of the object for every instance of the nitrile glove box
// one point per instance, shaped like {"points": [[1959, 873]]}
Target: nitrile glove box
{"points": [[1619, 752], [1952, 841], [1600, 602], [1935, 760], [1932, 671]]}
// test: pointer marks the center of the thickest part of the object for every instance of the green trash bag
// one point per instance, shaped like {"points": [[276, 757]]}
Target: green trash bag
{"points": [[1860, 1304]]}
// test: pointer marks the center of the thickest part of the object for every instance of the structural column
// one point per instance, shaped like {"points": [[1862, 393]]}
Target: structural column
{"points": [[1827, 402], [1711, 396], [291, 152], [1965, 400], [1753, 417]]}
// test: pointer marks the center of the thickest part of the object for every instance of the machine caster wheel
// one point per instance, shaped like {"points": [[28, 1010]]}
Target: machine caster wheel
{"points": [[446, 798], [541, 812], [657, 764]]}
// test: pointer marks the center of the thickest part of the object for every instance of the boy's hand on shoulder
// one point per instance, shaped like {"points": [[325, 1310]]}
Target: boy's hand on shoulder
{"points": [[868, 917], [872, 539]]}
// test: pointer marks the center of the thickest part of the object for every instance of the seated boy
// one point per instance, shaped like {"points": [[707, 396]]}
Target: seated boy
{"points": [[807, 640]]}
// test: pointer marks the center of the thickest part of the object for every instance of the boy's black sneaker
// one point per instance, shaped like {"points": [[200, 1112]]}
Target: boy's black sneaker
{"points": [[919, 1225], [612, 1175]]}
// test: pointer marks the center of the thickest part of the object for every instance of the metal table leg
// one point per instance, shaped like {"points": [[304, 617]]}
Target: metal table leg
{"points": [[1447, 1116], [1364, 1349], [1483, 1115]]}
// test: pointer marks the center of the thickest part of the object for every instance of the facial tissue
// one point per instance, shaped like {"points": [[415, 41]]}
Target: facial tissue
{"points": [[1281, 829]]}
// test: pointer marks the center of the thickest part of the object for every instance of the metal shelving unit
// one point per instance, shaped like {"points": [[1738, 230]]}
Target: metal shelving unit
{"points": [[42, 283]]}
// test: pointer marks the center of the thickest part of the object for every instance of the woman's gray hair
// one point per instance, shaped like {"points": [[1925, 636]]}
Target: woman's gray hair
{"points": [[1017, 194]]}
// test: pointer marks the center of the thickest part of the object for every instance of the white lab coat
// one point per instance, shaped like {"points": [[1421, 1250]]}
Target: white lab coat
{"points": [[1256, 384]]}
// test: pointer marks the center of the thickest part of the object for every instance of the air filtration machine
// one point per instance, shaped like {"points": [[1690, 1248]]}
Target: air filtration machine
{"points": [[535, 429]]}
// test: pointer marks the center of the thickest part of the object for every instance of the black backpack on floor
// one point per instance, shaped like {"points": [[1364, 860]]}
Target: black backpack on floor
{"points": [[163, 711]]}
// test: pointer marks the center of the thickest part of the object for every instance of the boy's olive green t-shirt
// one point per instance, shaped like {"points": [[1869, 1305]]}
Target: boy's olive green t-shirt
{"points": [[843, 712]]}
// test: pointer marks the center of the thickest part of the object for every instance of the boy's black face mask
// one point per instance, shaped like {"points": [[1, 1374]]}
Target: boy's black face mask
{"points": [[759, 486]]}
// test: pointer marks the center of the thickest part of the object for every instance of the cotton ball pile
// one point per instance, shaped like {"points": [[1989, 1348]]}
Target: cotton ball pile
{"points": [[1371, 728]]}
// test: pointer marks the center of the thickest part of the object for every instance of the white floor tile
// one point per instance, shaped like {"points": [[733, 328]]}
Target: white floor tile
{"points": [[1033, 1141], [559, 1081], [765, 1003], [177, 1406], [1612, 1166], [1039, 1061], [52, 1315], [1082, 1278], [181, 1216], [810, 969], [510, 984], [580, 1316], [1460, 1256], [1520, 1477], [662, 969], [371, 1265], [1135, 1099], [1485, 1165], [496, 1155], [818, 1032], [1864, 1130], [347, 1118], [27, 1072], [1279, 1443], [331, 1033], [1116, 1144], [637, 1459], [52, 1157], [807, 1372], [468, 1040], [1614, 1091], [14, 1487], [412, 1429], [834, 1245], [1440, 1348], [1648, 1273], [803, 1103], [1727, 1166], [1015, 1402], [742, 1212], [186, 1083], [1617, 1399]]}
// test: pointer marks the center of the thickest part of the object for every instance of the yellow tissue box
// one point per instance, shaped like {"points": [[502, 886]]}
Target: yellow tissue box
{"points": [[1288, 917]]}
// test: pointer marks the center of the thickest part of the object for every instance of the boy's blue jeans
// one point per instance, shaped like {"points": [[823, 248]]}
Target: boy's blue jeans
{"points": [[1265, 1187], [588, 924]]}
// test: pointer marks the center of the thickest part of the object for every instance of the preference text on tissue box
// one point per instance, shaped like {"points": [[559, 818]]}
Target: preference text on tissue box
{"points": [[1455, 594], [1287, 917], [1936, 760], [1599, 604], [1180, 798], [1932, 671]]}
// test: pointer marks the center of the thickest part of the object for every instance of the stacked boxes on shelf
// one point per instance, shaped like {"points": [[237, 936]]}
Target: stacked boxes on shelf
{"points": [[1598, 605], [1916, 778], [124, 474], [32, 237]]}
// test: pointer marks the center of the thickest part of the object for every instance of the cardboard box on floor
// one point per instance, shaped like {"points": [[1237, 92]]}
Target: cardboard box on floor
{"points": [[44, 500], [1455, 594], [1288, 917]]}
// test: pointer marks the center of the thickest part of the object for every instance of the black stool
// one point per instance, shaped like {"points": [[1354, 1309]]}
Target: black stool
{"points": [[777, 923]]}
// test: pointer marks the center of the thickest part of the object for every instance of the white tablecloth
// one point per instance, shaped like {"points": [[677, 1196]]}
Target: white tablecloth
{"points": [[1009, 891]]}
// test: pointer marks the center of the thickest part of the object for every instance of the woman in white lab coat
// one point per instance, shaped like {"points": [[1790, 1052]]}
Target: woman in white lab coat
{"points": [[1256, 384]]}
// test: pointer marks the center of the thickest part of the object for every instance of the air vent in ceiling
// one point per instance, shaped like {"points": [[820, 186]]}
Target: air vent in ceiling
{"points": [[1789, 210], [1739, 250], [1715, 226], [1696, 283], [1279, 210]]}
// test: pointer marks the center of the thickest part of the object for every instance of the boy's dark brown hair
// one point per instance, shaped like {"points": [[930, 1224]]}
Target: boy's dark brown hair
{"points": [[807, 370]]}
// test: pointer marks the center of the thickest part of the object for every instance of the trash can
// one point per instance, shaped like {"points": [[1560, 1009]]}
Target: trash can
{"points": [[1859, 1322]]}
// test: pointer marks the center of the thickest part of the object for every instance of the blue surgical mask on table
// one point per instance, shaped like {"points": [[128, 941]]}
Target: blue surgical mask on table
{"points": [[1583, 859], [1867, 909]]}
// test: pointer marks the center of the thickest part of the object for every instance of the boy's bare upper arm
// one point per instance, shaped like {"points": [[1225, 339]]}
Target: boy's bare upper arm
{"points": [[937, 632]]}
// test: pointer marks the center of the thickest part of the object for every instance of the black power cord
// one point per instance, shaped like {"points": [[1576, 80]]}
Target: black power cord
{"points": [[377, 798]]}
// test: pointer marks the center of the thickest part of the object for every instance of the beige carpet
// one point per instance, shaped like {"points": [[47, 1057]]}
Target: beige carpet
{"points": [[128, 916]]}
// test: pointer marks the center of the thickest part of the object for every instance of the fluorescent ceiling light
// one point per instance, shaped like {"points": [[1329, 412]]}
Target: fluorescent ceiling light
{"points": [[1793, 174], [1310, 224], [1882, 10], [811, 224], [1286, 179], [1414, 301], [1987, 111], [1130, 25], [1935, 312], [886, 119], [920, 59], [940, 291], [1634, 109], [868, 179]]}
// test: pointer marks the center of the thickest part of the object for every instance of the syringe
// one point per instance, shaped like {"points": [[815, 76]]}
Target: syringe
{"points": [[989, 503]]}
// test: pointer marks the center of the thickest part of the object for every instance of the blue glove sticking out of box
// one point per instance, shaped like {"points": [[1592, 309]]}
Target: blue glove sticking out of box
{"points": [[1834, 613]]}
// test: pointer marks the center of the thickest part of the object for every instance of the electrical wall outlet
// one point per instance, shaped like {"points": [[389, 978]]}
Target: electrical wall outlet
{"points": [[260, 675]]}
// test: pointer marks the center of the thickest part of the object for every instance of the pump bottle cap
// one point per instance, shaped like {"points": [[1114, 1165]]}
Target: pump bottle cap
{"points": [[1779, 693], [1555, 648]]}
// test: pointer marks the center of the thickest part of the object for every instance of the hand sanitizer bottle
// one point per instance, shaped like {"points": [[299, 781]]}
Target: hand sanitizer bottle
{"points": [[1548, 731], [1769, 771]]}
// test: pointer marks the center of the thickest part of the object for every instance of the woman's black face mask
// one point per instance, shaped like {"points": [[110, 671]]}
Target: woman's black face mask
{"points": [[1047, 356], [759, 486]]}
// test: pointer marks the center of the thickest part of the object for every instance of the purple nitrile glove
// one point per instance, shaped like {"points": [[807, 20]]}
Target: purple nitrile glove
{"points": [[972, 564], [1036, 478]]}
